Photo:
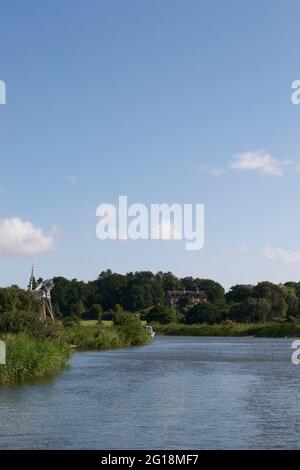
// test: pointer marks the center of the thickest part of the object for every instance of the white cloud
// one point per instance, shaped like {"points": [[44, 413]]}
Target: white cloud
{"points": [[71, 179], [19, 237], [289, 257], [234, 251], [212, 170], [257, 160]]}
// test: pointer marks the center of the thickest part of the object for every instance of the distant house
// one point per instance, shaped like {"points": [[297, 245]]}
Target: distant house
{"points": [[180, 298]]}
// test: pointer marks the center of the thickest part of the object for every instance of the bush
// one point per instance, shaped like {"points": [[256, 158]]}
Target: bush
{"points": [[91, 337], [204, 313], [17, 310], [161, 314], [29, 357], [71, 321], [131, 328]]}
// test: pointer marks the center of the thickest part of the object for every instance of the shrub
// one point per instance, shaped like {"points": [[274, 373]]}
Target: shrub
{"points": [[71, 321], [29, 357], [131, 328], [17, 310], [162, 314], [204, 313]]}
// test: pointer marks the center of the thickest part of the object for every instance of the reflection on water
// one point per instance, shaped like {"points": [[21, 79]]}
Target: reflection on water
{"points": [[178, 393]]}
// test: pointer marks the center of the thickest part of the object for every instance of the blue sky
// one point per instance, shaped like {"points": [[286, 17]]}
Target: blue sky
{"points": [[173, 101]]}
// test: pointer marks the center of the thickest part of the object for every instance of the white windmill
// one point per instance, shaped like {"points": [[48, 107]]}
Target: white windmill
{"points": [[42, 293]]}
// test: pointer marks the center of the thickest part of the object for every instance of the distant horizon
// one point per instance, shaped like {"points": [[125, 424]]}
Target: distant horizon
{"points": [[180, 277]]}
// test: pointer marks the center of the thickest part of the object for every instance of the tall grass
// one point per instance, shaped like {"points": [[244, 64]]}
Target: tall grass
{"points": [[45, 351], [263, 330], [89, 337], [104, 337], [28, 357]]}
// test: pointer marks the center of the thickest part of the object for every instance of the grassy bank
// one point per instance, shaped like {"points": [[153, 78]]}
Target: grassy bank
{"points": [[28, 357], [104, 336], [262, 330], [94, 322], [36, 356], [104, 322]]}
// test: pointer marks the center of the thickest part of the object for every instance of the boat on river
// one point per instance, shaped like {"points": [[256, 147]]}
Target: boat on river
{"points": [[149, 329]]}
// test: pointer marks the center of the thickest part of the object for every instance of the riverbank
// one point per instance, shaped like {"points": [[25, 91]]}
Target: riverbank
{"points": [[259, 330], [29, 357], [105, 336]]}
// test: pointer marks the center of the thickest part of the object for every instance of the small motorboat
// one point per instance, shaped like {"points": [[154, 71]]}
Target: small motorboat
{"points": [[150, 330]]}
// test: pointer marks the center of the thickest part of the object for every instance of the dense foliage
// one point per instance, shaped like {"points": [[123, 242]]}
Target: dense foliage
{"points": [[260, 330], [29, 357], [17, 310], [145, 292], [36, 349], [135, 292]]}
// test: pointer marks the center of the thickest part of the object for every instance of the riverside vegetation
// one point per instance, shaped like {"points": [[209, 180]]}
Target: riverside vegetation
{"points": [[145, 292], [119, 304], [259, 330], [29, 357], [36, 350]]}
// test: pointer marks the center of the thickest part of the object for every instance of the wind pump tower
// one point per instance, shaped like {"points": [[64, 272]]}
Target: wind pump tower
{"points": [[42, 293]]}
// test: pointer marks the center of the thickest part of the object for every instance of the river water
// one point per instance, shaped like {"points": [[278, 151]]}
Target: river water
{"points": [[176, 393]]}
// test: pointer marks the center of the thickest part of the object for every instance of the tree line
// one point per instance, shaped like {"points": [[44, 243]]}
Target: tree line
{"points": [[144, 293]]}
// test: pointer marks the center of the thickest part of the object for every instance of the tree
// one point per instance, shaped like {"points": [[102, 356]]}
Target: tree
{"points": [[131, 328], [251, 310], [259, 310], [78, 309], [96, 312], [239, 293], [291, 299], [188, 283], [204, 313], [18, 310], [276, 296], [214, 291], [118, 308], [135, 298], [169, 281], [161, 314]]}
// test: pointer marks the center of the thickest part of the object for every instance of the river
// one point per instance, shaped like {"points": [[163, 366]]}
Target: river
{"points": [[176, 393]]}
